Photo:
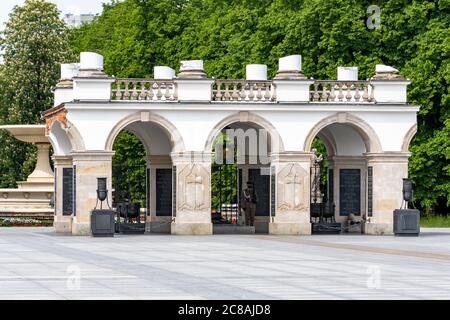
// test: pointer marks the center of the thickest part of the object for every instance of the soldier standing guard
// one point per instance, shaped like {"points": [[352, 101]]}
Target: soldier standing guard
{"points": [[250, 199]]}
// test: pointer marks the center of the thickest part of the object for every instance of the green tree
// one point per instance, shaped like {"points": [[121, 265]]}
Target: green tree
{"points": [[128, 168], [224, 176], [34, 43]]}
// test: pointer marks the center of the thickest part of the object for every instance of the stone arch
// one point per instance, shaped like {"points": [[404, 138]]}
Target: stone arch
{"points": [[244, 116], [174, 135], [64, 137], [366, 132], [408, 138], [144, 142], [329, 142]]}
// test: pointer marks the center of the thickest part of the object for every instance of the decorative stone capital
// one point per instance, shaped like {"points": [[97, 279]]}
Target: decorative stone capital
{"points": [[192, 69], [348, 160], [387, 157], [290, 75], [63, 161], [191, 157], [92, 156], [192, 74], [92, 73], [159, 160], [291, 156]]}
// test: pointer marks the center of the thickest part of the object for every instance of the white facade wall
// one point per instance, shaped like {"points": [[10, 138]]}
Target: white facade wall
{"points": [[195, 123], [189, 111]]}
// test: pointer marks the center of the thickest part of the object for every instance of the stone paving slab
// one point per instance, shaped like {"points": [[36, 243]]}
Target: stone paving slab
{"points": [[36, 263]]}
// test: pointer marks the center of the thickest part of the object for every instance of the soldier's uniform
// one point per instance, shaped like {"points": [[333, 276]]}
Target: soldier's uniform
{"points": [[250, 199]]}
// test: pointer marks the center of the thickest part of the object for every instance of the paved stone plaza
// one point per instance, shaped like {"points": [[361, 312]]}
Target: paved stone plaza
{"points": [[37, 263]]}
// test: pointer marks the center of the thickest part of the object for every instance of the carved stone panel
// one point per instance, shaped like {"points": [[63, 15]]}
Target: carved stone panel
{"points": [[193, 188], [293, 188]]}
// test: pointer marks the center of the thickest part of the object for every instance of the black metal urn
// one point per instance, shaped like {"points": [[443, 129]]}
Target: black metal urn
{"points": [[102, 220], [407, 221]]}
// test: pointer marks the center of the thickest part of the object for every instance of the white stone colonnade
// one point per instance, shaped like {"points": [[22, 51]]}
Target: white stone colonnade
{"points": [[371, 136]]}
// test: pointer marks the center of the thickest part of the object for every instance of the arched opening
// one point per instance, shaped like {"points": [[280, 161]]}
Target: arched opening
{"points": [[240, 177], [341, 188], [142, 177], [129, 176]]}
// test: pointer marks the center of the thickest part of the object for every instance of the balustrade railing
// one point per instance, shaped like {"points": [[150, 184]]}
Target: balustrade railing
{"points": [[144, 89], [244, 90], [330, 91], [342, 91]]}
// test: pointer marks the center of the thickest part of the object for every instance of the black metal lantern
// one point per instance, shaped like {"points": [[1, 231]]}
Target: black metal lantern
{"points": [[407, 189]]}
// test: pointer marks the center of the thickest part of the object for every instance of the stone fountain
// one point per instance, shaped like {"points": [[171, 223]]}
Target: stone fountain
{"points": [[31, 197]]}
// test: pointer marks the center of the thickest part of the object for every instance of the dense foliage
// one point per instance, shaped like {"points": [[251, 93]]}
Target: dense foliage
{"points": [[128, 169], [224, 176], [34, 43]]}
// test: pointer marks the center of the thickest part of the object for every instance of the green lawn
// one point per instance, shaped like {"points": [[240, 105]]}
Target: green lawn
{"points": [[435, 222]]}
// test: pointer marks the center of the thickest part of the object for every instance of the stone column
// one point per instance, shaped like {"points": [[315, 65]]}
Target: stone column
{"points": [[63, 220], [388, 170], [88, 166], [192, 212], [154, 223], [292, 193]]}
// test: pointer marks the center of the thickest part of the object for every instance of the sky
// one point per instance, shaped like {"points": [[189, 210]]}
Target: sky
{"points": [[65, 6]]}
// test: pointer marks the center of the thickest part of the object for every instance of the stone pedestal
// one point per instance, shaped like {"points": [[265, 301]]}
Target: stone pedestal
{"points": [[63, 220], [43, 172], [389, 169], [88, 166], [292, 194], [293, 90], [192, 212], [31, 197]]}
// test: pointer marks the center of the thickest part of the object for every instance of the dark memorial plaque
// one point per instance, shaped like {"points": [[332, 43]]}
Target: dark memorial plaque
{"points": [[369, 191], [174, 190], [67, 184], [147, 191], [261, 184], [273, 180], [54, 191], [163, 192], [330, 185], [74, 190], [349, 192], [239, 193]]}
